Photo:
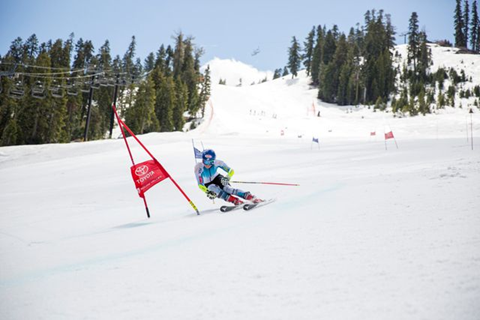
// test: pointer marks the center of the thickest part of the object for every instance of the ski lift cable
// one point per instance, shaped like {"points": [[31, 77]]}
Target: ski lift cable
{"points": [[87, 76], [49, 73], [113, 78], [49, 76], [66, 70], [33, 66], [65, 75]]}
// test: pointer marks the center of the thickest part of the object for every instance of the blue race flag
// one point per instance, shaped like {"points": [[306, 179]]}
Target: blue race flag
{"points": [[198, 153], [315, 140]]}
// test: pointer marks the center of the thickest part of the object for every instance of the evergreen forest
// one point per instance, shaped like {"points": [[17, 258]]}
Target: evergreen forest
{"points": [[363, 67], [62, 90]]}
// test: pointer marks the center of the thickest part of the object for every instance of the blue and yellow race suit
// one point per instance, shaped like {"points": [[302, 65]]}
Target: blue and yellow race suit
{"points": [[209, 179]]}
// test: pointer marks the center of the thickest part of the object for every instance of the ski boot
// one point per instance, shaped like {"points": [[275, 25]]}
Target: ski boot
{"points": [[250, 197], [234, 200]]}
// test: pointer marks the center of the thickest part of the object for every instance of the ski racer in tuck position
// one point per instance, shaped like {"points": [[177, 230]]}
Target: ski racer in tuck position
{"points": [[216, 185]]}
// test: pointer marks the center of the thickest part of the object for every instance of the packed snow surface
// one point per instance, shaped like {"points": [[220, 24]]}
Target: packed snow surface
{"points": [[372, 232]]}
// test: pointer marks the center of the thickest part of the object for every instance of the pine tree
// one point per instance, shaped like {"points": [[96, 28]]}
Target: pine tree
{"points": [[179, 55], [422, 105], [331, 86], [128, 64], [190, 77], [294, 57], [459, 25], [16, 50], [165, 103], [205, 90], [149, 63], [30, 49], [309, 47], [88, 52], [440, 100], [12, 134], [7, 109], [466, 20], [138, 68], [199, 52], [79, 60], [160, 60], [34, 114], [328, 83], [317, 56], [141, 116], [181, 104], [474, 29], [451, 94], [75, 104], [377, 69], [103, 95], [390, 29], [424, 57], [59, 58], [329, 48], [277, 74], [413, 40], [343, 96], [169, 57], [285, 72]]}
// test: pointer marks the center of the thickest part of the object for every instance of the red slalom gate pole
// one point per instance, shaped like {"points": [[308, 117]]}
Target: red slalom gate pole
{"points": [[123, 127], [271, 183]]}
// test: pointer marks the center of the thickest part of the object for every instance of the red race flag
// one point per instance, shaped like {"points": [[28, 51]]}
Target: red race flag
{"points": [[373, 133], [389, 135], [147, 174]]}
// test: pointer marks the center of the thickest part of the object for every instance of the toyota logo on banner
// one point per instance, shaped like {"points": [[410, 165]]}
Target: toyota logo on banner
{"points": [[141, 171]]}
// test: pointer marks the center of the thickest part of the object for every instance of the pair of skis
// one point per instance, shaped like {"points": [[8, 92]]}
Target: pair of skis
{"points": [[246, 206]]}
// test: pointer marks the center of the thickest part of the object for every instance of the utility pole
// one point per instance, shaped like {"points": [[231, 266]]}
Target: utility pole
{"points": [[90, 98], [471, 126], [404, 35], [112, 116]]}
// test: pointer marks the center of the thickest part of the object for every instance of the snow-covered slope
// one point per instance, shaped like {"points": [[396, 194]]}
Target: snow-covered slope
{"points": [[234, 72], [369, 233]]}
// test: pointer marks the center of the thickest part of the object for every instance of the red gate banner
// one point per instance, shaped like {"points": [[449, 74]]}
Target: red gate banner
{"points": [[146, 175]]}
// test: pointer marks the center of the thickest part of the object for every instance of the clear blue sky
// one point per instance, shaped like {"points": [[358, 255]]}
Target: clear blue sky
{"points": [[224, 28]]}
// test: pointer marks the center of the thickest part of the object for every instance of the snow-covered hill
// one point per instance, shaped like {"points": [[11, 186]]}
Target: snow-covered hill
{"points": [[369, 233]]}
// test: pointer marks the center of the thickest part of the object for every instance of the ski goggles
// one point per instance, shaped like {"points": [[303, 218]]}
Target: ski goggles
{"points": [[208, 162]]}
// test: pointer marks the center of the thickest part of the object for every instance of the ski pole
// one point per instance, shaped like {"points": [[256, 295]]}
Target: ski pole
{"points": [[272, 183]]}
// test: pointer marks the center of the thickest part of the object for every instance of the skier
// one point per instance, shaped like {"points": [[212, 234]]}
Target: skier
{"points": [[216, 185]]}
